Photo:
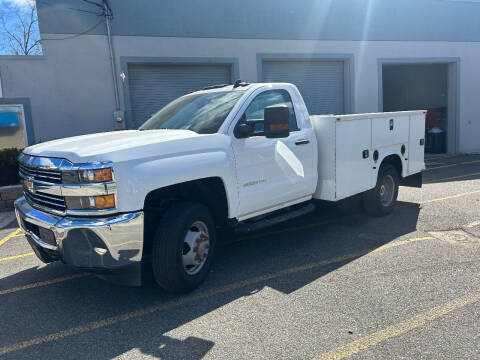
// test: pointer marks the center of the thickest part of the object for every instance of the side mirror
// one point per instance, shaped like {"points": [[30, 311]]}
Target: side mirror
{"points": [[244, 130], [276, 122]]}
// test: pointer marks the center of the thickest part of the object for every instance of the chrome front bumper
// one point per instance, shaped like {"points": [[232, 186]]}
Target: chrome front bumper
{"points": [[105, 243]]}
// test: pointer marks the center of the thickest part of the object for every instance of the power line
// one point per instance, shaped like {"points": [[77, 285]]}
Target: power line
{"points": [[93, 3], [86, 11], [71, 8], [79, 34], [106, 11], [110, 12]]}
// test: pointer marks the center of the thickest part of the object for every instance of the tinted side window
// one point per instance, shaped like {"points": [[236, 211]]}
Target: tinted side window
{"points": [[268, 98]]}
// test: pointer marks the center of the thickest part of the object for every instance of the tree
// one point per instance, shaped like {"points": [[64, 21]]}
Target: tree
{"points": [[19, 22]]}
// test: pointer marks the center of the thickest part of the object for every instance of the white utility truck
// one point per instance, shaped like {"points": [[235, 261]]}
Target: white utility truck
{"points": [[242, 155]]}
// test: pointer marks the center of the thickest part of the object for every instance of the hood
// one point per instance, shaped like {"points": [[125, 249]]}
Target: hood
{"points": [[122, 145]]}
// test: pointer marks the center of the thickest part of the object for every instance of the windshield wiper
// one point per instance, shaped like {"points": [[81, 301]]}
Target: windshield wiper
{"points": [[156, 129]]}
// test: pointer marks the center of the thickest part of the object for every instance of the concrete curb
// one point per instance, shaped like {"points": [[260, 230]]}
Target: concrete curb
{"points": [[8, 194]]}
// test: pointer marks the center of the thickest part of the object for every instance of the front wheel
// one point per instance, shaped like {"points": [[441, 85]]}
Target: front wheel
{"points": [[183, 247], [381, 199]]}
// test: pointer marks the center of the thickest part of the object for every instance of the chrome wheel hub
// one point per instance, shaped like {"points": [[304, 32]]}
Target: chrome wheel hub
{"points": [[196, 246], [387, 190]]}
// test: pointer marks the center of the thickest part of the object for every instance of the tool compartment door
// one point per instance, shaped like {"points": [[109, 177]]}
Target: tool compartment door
{"points": [[353, 170], [416, 148], [390, 130]]}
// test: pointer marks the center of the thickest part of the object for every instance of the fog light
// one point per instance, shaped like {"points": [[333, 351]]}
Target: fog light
{"points": [[100, 251], [104, 202]]}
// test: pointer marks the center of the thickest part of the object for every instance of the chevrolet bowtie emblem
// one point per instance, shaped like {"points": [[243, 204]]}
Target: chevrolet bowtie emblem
{"points": [[29, 185]]}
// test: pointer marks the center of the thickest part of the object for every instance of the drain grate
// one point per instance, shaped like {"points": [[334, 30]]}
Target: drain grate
{"points": [[456, 236]]}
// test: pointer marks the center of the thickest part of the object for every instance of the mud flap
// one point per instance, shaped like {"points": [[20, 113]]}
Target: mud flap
{"points": [[415, 180]]}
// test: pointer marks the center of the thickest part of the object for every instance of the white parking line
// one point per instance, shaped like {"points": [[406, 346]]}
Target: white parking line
{"points": [[473, 224]]}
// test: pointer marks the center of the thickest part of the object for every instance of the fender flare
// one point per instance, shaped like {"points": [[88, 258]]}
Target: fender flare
{"points": [[391, 153]]}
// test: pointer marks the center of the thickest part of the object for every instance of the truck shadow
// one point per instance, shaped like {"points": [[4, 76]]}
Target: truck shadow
{"points": [[304, 246], [12, 225]]}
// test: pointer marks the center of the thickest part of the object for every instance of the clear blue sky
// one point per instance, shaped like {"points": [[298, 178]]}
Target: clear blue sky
{"points": [[8, 8]]}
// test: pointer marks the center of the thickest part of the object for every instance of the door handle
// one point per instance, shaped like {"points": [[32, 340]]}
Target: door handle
{"points": [[302, 142]]}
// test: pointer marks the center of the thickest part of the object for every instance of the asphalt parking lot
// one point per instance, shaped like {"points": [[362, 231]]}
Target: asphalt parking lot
{"points": [[330, 285]]}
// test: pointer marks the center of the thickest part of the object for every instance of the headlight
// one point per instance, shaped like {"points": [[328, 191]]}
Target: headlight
{"points": [[87, 176], [100, 202]]}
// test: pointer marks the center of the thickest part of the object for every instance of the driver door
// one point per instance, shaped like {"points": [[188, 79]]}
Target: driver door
{"points": [[272, 172]]}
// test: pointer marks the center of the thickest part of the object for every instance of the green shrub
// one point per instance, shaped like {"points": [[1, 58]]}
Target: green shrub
{"points": [[9, 167]]}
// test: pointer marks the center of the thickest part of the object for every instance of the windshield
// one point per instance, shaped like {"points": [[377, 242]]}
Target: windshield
{"points": [[202, 113]]}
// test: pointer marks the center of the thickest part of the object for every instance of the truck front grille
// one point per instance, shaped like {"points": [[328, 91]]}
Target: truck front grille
{"points": [[49, 201], [42, 181], [41, 174]]}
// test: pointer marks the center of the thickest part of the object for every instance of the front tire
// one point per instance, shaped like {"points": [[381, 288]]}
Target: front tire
{"points": [[381, 199], [183, 247]]}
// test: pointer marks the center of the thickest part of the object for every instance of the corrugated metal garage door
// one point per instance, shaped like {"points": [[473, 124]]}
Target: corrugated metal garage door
{"points": [[320, 82], [154, 86]]}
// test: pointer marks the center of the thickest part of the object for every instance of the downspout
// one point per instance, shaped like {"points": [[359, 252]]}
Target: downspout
{"points": [[117, 115], [1, 87]]}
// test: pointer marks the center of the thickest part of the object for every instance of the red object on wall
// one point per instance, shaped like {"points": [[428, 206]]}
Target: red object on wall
{"points": [[432, 118]]}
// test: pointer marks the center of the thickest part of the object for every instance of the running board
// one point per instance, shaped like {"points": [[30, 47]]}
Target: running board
{"points": [[246, 228]]}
